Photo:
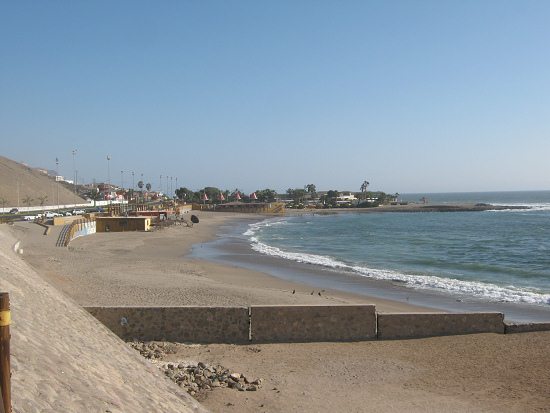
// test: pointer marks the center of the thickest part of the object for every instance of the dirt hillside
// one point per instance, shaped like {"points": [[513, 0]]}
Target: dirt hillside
{"points": [[31, 183]]}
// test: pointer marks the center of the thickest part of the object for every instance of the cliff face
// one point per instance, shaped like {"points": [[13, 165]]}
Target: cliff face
{"points": [[63, 360], [17, 179]]}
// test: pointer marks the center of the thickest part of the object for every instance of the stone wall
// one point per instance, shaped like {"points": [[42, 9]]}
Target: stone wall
{"points": [[416, 325], [512, 328], [180, 324], [293, 323], [301, 323]]}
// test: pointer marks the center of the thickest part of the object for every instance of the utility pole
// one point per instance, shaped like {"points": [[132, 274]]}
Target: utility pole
{"points": [[160, 184]]}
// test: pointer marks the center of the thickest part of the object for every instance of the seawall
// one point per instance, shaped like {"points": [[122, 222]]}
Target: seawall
{"points": [[293, 323]]}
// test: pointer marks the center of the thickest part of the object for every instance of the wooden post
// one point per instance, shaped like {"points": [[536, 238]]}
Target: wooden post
{"points": [[5, 368]]}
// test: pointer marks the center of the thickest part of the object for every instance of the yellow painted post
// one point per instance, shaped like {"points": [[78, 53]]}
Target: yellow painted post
{"points": [[5, 366]]}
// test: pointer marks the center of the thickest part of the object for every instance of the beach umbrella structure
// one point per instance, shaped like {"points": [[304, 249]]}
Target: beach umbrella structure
{"points": [[253, 196], [238, 196], [222, 198], [204, 197]]}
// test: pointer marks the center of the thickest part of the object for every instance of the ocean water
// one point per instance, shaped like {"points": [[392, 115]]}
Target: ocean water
{"points": [[501, 256]]}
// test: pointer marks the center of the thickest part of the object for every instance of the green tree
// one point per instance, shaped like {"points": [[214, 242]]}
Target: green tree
{"points": [[329, 199], [186, 195], [266, 195], [95, 195], [311, 190], [140, 184], [148, 186]]}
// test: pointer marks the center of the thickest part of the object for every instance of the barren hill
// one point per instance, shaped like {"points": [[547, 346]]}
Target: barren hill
{"points": [[18, 182]]}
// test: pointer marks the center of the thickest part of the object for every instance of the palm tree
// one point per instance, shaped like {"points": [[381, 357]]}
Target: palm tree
{"points": [[148, 186], [140, 184], [364, 187]]}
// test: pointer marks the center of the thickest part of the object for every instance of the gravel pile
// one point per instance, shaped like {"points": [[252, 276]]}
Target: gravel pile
{"points": [[196, 378], [153, 350], [200, 377]]}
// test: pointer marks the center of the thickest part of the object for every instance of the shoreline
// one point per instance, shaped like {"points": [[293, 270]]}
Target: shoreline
{"points": [[211, 264], [157, 269], [455, 373], [231, 248]]}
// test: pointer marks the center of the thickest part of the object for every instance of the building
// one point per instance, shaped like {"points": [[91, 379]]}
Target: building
{"points": [[123, 224]]}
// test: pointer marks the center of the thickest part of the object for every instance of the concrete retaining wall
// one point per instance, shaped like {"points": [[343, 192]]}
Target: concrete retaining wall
{"points": [[302, 323], [288, 324], [395, 326], [526, 328], [179, 324]]}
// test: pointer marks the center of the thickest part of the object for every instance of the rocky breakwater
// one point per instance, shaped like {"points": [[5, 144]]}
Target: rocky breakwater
{"points": [[196, 378]]}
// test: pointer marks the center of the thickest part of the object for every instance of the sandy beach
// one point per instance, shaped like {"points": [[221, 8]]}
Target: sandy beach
{"points": [[486, 372]]}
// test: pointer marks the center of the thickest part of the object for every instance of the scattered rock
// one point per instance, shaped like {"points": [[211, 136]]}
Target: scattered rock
{"points": [[195, 378]]}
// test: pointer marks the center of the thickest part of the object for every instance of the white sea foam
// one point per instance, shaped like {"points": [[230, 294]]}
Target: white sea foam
{"points": [[488, 291], [531, 207]]}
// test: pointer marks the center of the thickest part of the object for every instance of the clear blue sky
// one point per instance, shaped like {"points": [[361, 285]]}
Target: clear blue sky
{"points": [[414, 96]]}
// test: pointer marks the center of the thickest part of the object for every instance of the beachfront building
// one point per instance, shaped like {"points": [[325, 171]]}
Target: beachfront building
{"points": [[122, 224], [346, 198]]}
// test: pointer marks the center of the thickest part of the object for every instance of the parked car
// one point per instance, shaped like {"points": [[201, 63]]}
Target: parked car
{"points": [[78, 212], [68, 213], [14, 211], [50, 214], [29, 217]]}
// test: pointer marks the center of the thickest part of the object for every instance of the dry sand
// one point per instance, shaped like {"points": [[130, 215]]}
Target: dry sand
{"points": [[485, 372], [136, 268]]}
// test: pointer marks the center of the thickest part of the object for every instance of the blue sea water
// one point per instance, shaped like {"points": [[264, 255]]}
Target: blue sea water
{"points": [[499, 256]]}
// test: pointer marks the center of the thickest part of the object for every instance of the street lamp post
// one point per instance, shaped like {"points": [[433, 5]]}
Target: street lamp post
{"points": [[109, 176], [56, 182], [74, 176]]}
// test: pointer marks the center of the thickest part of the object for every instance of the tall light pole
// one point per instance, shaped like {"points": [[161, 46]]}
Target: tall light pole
{"points": [[74, 176], [167, 183], [160, 184], [109, 176], [176, 183], [122, 179], [56, 182], [171, 186]]}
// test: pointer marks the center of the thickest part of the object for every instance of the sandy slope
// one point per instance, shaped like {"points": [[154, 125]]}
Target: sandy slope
{"points": [[63, 360]]}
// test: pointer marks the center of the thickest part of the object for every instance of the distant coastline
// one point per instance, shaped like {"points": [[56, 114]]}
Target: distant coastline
{"points": [[414, 208]]}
